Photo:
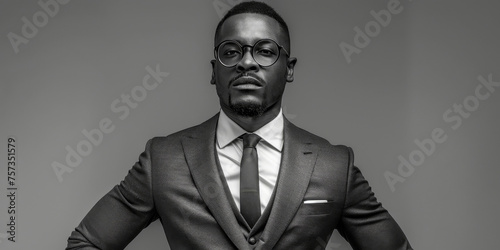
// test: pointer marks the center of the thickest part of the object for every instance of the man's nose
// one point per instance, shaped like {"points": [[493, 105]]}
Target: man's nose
{"points": [[247, 63]]}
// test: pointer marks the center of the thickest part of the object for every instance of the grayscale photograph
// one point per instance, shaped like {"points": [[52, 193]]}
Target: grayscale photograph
{"points": [[233, 124]]}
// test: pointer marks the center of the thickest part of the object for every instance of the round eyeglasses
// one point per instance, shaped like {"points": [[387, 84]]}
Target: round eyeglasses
{"points": [[265, 52]]}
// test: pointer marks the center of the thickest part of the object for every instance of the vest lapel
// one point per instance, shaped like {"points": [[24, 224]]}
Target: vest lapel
{"points": [[242, 222]]}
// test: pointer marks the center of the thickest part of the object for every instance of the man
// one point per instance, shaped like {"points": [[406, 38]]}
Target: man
{"points": [[246, 178]]}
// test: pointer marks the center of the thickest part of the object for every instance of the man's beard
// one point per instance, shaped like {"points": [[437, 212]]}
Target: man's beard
{"points": [[247, 109]]}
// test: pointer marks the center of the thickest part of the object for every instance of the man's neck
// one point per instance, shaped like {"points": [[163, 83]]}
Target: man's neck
{"points": [[252, 124]]}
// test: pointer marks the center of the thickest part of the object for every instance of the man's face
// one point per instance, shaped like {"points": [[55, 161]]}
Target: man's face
{"points": [[249, 89]]}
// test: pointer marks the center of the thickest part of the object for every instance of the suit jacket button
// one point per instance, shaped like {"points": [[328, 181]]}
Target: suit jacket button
{"points": [[252, 240]]}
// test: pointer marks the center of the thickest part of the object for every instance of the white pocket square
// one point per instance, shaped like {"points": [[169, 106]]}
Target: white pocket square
{"points": [[315, 201]]}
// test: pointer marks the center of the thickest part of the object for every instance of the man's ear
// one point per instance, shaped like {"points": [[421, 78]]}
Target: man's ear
{"points": [[289, 68], [212, 81]]}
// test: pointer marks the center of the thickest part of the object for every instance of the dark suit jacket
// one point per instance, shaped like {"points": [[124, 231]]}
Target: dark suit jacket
{"points": [[177, 179]]}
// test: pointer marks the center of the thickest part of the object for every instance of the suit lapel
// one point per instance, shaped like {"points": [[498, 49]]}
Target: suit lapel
{"points": [[199, 149], [297, 164]]}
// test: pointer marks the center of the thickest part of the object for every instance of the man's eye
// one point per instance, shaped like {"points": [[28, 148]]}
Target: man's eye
{"points": [[265, 52], [231, 53]]}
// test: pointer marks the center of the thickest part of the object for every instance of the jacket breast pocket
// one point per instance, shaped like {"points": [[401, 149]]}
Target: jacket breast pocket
{"points": [[323, 208]]}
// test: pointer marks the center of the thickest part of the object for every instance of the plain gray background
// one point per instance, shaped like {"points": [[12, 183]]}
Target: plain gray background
{"points": [[395, 91]]}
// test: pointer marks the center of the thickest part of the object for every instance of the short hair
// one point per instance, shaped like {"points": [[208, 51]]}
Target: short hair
{"points": [[256, 8]]}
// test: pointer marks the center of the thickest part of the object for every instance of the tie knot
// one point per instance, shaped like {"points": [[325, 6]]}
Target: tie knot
{"points": [[250, 140]]}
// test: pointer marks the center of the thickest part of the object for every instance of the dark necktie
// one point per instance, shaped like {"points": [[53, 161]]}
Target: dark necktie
{"points": [[249, 180]]}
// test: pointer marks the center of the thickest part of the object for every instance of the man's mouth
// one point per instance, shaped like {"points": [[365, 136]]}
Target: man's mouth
{"points": [[246, 86], [246, 83]]}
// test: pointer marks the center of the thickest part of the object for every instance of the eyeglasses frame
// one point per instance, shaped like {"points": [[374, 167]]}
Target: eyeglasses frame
{"points": [[251, 51]]}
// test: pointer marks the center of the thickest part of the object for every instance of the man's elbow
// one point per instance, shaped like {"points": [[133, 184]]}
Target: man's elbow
{"points": [[77, 241]]}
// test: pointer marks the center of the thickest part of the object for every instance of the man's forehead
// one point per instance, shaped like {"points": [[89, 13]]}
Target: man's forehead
{"points": [[250, 27]]}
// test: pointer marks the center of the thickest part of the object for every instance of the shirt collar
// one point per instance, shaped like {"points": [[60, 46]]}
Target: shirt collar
{"points": [[271, 133]]}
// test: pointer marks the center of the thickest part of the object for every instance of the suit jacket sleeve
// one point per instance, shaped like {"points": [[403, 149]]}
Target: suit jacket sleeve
{"points": [[121, 214], [365, 224]]}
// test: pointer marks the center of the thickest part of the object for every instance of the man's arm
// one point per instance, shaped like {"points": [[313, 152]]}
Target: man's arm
{"points": [[365, 223], [121, 214]]}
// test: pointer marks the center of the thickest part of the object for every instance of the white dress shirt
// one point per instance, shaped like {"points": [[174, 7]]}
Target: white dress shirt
{"points": [[230, 150]]}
